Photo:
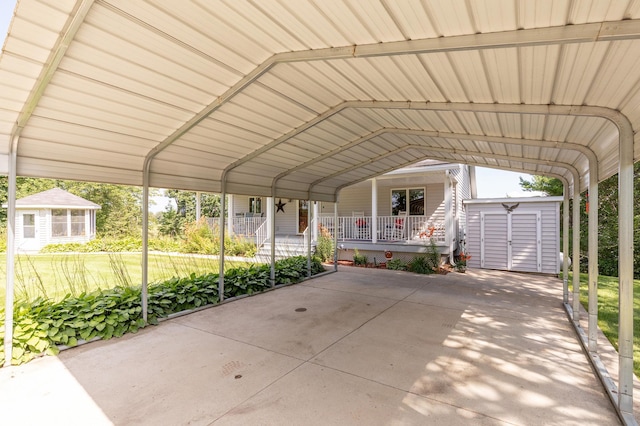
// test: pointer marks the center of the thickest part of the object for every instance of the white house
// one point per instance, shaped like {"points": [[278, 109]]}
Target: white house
{"points": [[399, 211], [53, 216]]}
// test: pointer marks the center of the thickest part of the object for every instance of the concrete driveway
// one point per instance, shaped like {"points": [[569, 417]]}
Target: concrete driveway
{"points": [[359, 347]]}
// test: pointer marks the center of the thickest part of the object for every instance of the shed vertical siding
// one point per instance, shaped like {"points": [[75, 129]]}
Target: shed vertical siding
{"points": [[494, 240], [524, 246], [523, 227]]}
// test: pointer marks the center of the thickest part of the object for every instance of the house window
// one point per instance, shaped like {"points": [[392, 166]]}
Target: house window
{"points": [[409, 200], [255, 205], [67, 223]]}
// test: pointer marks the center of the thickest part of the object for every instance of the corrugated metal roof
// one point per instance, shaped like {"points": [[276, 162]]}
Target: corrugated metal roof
{"points": [[298, 99]]}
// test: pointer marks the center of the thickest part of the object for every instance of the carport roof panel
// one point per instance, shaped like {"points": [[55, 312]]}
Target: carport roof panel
{"points": [[91, 86]]}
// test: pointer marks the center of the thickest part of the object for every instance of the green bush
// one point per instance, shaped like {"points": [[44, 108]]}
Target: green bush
{"points": [[359, 259], [433, 256], [421, 265], [397, 265], [200, 239], [324, 248], [41, 326]]}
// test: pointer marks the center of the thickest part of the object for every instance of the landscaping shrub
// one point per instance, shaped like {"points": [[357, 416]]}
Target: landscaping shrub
{"points": [[41, 326], [359, 259], [397, 265], [198, 239], [421, 265], [324, 246]]}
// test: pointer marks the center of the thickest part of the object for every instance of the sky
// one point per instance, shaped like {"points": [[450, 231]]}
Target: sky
{"points": [[6, 12], [494, 183], [491, 183]]}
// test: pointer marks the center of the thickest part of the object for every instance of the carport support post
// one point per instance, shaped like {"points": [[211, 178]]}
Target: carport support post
{"points": [[593, 258], [565, 245], [374, 210], [576, 248], [11, 241], [272, 236], [335, 235], [223, 199], [145, 247], [625, 272], [308, 242]]}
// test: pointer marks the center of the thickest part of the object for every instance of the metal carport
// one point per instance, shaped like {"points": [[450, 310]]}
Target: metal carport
{"points": [[297, 99]]}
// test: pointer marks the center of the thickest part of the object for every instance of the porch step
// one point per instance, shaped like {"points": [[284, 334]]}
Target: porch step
{"points": [[285, 248]]}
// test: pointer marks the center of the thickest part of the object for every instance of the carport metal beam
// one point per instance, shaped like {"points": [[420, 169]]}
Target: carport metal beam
{"points": [[58, 51]]}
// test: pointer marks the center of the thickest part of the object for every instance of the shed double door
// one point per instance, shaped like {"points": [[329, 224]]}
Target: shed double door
{"points": [[511, 241]]}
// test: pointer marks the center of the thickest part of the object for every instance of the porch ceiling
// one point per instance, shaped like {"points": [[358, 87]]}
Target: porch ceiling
{"points": [[298, 99]]}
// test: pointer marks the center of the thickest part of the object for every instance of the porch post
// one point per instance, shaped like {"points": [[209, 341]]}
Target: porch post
{"points": [[576, 248], [271, 234], [231, 213], [198, 206], [448, 214], [317, 224], [565, 245], [374, 210]]}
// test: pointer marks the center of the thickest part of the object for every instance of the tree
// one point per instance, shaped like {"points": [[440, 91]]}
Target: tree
{"points": [[548, 185], [171, 221]]}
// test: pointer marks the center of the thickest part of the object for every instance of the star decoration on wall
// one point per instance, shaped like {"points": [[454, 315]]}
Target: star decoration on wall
{"points": [[280, 206]]}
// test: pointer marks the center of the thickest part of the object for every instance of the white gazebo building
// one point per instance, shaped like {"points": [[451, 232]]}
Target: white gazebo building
{"points": [[53, 217]]}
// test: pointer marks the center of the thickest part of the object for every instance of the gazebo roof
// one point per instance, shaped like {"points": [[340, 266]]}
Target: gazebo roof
{"points": [[55, 198]]}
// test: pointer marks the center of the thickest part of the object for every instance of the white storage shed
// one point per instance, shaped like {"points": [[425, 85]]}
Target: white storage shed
{"points": [[514, 234]]}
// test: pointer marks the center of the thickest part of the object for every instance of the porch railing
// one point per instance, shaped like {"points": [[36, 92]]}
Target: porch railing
{"points": [[261, 234], [418, 229]]}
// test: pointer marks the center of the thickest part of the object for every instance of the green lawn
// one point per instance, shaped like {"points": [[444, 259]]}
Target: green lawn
{"points": [[55, 275], [608, 311]]}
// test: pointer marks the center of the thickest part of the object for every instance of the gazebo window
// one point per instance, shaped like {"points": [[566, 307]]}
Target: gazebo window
{"points": [[67, 223], [77, 222]]}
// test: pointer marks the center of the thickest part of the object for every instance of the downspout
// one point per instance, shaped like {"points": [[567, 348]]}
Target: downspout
{"points": [[11, 239]]}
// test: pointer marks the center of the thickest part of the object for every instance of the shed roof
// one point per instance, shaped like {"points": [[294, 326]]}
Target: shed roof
{"points": [[300, 98], [55, 198]]}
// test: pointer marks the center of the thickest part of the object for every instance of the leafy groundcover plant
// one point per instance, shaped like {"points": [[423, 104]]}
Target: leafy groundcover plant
{"points": [[42, 326]]}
